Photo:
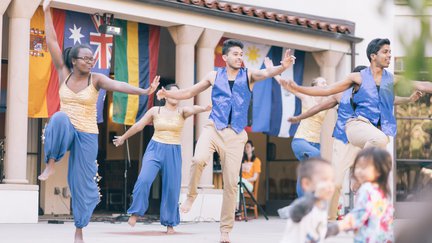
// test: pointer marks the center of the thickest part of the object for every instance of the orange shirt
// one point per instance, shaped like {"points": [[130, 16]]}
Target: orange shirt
{"points": [[250, 168]]}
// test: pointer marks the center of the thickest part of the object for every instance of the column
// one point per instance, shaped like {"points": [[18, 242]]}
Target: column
{"points": [[20, 13], [328, 62], [185, 37], [205, 64], [19, 202]]}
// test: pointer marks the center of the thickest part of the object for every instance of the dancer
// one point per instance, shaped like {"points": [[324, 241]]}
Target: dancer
{"points": [[343, 152], [163, 154], [372, 120], [224, 131], [74, 127], [306, 141], [372, 215]]}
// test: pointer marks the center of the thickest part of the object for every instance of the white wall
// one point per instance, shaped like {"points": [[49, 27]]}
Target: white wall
{"points": [[370, 23]]}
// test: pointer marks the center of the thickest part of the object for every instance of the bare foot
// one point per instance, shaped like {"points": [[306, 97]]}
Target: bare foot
{"points": [[78, 236], [225, 238], [170, 230], [186, 206], [49, 170], [132, 220]]}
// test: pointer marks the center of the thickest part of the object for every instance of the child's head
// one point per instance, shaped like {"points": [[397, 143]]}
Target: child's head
{"points": [[373, 165], [316, 172]]}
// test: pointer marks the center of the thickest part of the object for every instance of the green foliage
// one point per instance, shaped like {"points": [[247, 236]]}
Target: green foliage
{"points": [[416, 65]]}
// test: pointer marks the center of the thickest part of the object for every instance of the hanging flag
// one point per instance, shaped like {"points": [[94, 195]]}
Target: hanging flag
{"points": [[276, 104], [136, 60], [43, 98], [81, 28]]}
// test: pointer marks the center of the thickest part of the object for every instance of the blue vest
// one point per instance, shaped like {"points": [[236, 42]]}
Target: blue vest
{"points": [[224, 101], [345, 112], [376, 106]]}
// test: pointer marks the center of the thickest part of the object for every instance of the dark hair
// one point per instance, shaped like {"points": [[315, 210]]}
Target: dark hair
{"points": [[307, 168], [375, 45], [382, 162], [168, 87], [72, 52], [245, 157], [230, 43], [358, 68]]}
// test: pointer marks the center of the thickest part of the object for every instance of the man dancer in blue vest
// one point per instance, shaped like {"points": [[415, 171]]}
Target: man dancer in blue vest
{"points": [[224, 132], [343, 152], [372, 120]]}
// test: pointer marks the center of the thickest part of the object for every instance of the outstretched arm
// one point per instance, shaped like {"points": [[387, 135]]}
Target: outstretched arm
{"points": [[184, 94], [52, 44], [268, 63], [102, 81], [192, 110], [145, 120], [271, 71], [424, 86], [327, 104], [352, 79], [404, 100]]}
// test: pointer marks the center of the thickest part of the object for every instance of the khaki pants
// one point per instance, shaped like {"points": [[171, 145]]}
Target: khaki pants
{"points": [[363, 134], [342, 159], [230, 146]]}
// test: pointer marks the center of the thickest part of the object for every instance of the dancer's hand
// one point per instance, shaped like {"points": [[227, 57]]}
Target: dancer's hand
{"points": [[161, 94], [118, 141], [208, 108], [154, 85], [415, 96], [294, 119], [46, 5], [289, 85], [288, 59]]}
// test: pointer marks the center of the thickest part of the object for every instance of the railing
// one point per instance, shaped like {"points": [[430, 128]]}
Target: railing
{"points": [[2, 152]]}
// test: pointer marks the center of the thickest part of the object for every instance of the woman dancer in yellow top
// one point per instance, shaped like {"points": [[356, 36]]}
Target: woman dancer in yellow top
{"points": [[74, 127], [163, 154]]}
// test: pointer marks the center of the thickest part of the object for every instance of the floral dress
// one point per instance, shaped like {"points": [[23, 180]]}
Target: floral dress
{"points": [[372, 216]]}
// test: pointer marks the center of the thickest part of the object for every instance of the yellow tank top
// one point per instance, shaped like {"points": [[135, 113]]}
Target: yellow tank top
{"points": [[80, 107], [168, 128], [310, 128]]}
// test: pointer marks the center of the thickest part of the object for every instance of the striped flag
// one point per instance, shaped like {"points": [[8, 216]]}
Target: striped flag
{"points": [[43, 98], [136, 60]]}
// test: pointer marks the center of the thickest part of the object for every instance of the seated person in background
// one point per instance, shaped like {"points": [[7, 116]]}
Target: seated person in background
{"points": [[251, 166]]}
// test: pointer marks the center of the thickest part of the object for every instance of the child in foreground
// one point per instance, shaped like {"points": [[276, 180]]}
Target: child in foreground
{"points": [[372, 215], [307, 216]]}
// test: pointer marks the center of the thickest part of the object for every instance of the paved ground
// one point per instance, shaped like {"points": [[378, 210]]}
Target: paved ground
{"points": [[253, 231]]}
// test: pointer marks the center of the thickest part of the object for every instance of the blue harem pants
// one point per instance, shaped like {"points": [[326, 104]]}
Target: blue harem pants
{"points": [[165, 158], [61, 136]]}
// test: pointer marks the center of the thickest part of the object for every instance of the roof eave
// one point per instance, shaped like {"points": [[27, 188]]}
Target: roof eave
{"points": [[249, 19]]}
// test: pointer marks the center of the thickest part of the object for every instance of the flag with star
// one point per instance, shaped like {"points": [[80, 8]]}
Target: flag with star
{"points": [[43, 100], [136, 63], [81, 28]]}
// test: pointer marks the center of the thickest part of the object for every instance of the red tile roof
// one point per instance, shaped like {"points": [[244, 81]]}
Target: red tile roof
{"points": [[306, 21]]}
